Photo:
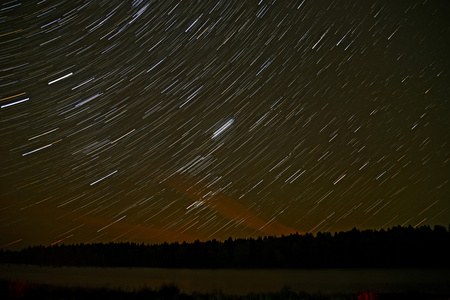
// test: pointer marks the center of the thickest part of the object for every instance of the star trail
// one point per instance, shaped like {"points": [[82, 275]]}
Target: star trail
{"points": [[162, 121]]}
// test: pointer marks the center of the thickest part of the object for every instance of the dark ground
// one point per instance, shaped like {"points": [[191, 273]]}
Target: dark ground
{"points": [[24, 290]]}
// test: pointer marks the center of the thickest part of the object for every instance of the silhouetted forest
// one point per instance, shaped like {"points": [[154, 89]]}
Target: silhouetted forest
{"points": [[395, 247]]}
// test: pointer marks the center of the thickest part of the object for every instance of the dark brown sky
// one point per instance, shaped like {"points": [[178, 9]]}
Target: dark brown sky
{"points": [[180, 120]]}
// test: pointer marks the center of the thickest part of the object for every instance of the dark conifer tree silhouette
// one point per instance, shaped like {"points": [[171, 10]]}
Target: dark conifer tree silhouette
{"points": [[395, 247]]}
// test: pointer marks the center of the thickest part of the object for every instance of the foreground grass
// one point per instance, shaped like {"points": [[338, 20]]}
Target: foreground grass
{"points": [[25, 290]]}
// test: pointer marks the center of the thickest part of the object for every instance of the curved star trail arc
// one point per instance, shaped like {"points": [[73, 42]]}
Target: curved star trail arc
{"points": [[154, 121]]}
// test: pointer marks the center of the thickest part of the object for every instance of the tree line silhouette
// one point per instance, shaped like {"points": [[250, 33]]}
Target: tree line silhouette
{"points": [[395, 247]]}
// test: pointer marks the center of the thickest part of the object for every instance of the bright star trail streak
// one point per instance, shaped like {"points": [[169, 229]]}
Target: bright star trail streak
{"points": [[211, 119], [222, 128], [61, 78], [104, 177], [14, 103]]}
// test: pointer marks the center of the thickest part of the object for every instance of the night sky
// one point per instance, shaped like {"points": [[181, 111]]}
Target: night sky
{"points": [[162, 121]]}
